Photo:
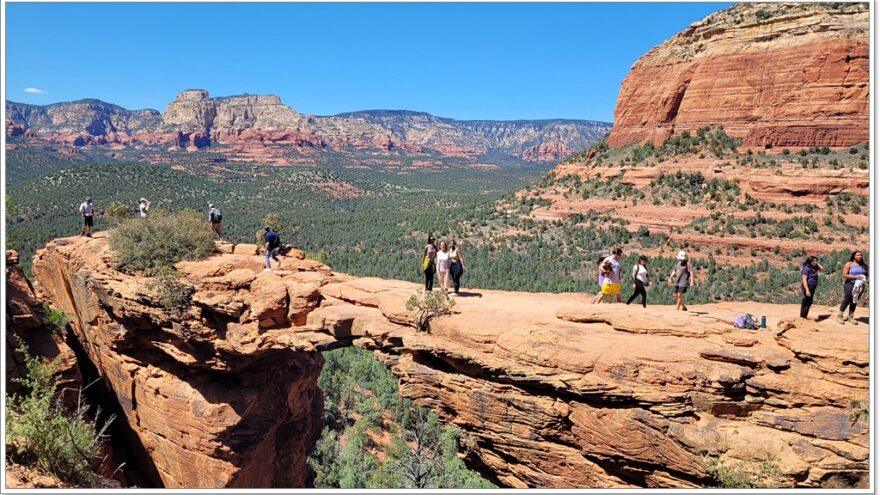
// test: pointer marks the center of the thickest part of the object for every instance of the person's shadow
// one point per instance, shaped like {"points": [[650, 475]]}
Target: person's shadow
{"points": [[469, 294], [823, 317]]}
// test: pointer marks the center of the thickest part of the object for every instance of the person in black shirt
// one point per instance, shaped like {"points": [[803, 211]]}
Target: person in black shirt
{"points": [[809, 282]]}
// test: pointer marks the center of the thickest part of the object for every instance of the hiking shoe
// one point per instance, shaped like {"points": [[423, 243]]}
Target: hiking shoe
{"points": [[267, 270], [851, 319], [840, 318]]}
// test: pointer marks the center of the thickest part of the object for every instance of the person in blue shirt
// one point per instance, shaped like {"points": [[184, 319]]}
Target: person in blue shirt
{"points": [[809, 282], [272, 245]]}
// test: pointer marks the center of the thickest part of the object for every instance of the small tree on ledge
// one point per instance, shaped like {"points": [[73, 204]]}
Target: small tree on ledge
{"points": [[427, 305]]}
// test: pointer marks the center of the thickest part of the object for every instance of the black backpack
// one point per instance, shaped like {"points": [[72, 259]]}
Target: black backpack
{"points": [[217, 217]]}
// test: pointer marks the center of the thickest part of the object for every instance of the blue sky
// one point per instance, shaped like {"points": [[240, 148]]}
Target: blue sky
{"points": [[465, 61]]}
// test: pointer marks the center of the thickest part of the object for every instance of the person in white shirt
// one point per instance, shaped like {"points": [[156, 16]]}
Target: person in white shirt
{"points": [[143, 207], [640, 280], [87, 210], [443, 266]]}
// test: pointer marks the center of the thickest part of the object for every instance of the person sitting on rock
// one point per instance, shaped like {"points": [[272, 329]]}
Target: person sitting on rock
{"points": [[272, 245]]}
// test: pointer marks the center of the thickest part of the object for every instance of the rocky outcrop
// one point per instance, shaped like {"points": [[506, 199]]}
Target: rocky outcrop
{"points": [[773, 74], [552, 392], [262, 128], [24, 323]]}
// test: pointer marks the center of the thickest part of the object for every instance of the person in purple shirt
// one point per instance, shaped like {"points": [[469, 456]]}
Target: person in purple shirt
{"points": [[809, 282]]}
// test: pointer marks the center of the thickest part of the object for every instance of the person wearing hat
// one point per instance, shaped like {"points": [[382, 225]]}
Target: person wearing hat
{"points": [[272, 245], [681, 278], [215, 217], [143, 207], [87, 210]]}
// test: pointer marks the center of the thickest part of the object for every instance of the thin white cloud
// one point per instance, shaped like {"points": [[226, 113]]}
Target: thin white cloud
{"points": [[34, 91]]}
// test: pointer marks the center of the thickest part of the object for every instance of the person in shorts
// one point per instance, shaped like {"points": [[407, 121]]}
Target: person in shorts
{"points": [[681, 278], [87, 210]]}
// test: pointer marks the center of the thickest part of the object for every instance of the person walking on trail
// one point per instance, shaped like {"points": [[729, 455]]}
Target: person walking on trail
{"points": [[456, 266], [855, 276], [216, 219], [272, 245], [443, 266], [87, 210], [681, 278], [143, 207], [599, 297], [809, 282], [428, 263], [640, 280], [611, 287]]}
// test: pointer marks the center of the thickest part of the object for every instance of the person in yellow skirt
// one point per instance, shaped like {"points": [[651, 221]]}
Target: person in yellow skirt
{"points": [[611, 287]]}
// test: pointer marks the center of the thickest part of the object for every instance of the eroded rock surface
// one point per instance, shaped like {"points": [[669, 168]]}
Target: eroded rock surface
{"points": [[774, 74], [552, 392]]}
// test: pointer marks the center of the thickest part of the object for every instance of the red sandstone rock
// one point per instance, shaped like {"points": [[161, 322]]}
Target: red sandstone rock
{"points": [[552, 391], [793, 75]]}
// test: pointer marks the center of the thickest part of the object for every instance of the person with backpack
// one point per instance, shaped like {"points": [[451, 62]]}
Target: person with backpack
{"points": [[87, 210], [681, 278], [640, 280], [272, 245], [809, 282], [428, 262], [456, 266], [855, 276], [215, 217], [143, 207]]}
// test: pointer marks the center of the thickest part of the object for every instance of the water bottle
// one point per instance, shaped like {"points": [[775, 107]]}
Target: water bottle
{"points": [[763, 322]]}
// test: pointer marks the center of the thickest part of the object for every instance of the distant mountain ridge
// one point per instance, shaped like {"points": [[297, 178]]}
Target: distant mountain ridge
{"points": [[262, 124]]}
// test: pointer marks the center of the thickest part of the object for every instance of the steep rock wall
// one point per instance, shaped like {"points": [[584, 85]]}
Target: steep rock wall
{"points": [[774, 74]]}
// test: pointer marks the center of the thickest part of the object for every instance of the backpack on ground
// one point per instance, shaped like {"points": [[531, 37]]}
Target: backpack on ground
{"points": [[745, 321]]}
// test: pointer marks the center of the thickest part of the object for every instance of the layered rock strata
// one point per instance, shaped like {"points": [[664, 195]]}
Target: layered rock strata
{"points": [[773, 74], [551, 392], [262, 128], [24, 324]]}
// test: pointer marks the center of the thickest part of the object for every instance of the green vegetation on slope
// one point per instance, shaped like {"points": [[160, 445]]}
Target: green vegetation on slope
{"points": [[374, 438]]}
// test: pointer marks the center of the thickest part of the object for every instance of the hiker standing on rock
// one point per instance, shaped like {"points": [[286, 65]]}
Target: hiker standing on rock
{"points": [[215, 217], [809, 282], [143, 207], [428, 262], [87, 210], [456, 266], [599, 297], [611, 288], [681, 278], [640, 279], [443, 266], [855, 276], [272, 245]]}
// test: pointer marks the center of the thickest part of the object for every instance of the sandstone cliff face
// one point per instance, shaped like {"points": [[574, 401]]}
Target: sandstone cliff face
{"points": [[24, 321], [774, 74], [261, 127], [554, 392]]}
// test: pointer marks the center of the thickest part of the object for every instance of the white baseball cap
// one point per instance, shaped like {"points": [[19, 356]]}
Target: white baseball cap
{"points": [[681, 256]]}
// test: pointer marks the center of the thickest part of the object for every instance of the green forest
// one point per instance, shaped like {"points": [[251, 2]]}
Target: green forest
{"points": [[374, 438]]}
